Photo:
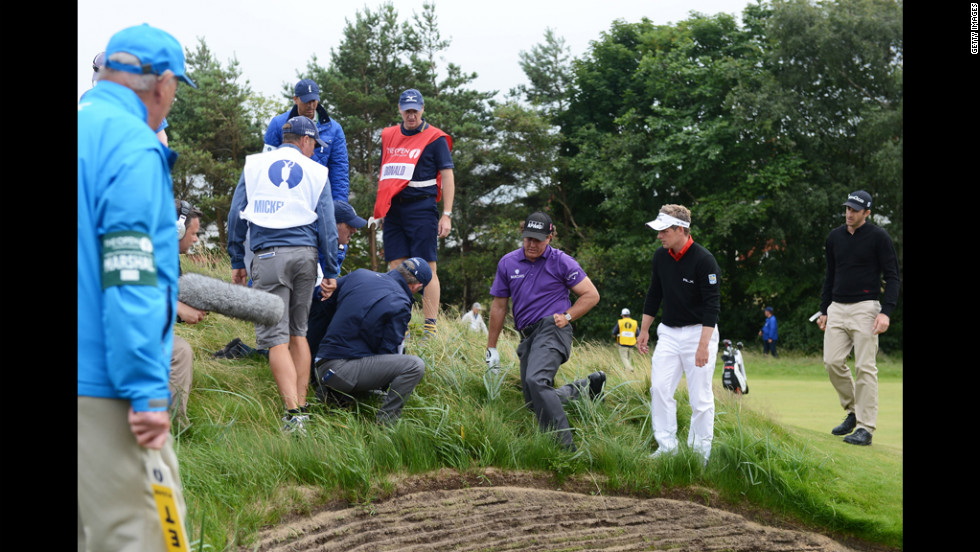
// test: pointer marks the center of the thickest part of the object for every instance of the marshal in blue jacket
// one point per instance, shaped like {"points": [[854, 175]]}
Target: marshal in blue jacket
{"points": [[127, 251]]}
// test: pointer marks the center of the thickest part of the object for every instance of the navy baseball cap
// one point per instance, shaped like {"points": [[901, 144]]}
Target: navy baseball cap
{"points": [[307, 90], [419, 268], [538, 226], [344, 212], [156, 50], [859, 200], [411, 99], [303, 126]]}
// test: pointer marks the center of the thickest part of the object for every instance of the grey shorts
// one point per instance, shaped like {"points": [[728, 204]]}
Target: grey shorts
{"points": [[290, 274]]}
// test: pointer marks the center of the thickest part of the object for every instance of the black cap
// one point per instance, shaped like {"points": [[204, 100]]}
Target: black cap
{"points": [[859, 200], [538, 226]]}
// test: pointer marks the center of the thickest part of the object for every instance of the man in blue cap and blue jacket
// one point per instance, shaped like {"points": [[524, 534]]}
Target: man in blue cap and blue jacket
{"points": [[127, 296]]}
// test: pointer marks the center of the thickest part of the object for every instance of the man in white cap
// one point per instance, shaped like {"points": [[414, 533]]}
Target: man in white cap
{"points": [[127, 297], [473, 320], [625, 333], [685, 281]]}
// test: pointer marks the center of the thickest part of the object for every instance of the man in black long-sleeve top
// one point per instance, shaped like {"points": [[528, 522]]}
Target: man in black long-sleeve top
{"points": [[859, 254], [685, 279]]}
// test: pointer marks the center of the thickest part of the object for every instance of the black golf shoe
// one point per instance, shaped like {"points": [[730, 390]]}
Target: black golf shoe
{"points": [[859, 437], [846, 426], [597, 380]]}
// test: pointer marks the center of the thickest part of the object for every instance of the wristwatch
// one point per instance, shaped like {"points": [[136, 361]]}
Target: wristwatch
{"points": [[568, 317], [448, 213]]}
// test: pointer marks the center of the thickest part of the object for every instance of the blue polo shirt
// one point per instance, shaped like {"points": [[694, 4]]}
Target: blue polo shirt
{"points": [[538, 288]]}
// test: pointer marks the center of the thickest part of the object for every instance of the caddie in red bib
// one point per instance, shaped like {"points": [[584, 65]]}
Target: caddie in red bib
{"points": [[416, 173], [399, 157]]}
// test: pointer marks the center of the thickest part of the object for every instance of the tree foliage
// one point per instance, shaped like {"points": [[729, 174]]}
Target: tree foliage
{"points": [[213, 128], [761, 128]]}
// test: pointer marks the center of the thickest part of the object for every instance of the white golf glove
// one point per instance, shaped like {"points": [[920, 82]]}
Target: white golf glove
{"points": [[492, 357]]}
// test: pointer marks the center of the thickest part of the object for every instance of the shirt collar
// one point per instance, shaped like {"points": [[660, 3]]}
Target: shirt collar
{"points": [[544, 255], [677, 255], [420, 128]]}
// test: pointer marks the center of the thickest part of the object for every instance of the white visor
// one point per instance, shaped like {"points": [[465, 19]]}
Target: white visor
{"points": [[664, 221]]}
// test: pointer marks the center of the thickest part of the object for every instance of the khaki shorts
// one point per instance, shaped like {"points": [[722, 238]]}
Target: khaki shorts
{"points": [[290, 274]]}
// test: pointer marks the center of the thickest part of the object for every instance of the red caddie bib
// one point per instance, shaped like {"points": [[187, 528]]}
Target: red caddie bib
{"points": [[399, 155]]}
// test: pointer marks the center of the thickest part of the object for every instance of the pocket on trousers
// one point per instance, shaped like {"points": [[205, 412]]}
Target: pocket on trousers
{"points": [[339, 383]]}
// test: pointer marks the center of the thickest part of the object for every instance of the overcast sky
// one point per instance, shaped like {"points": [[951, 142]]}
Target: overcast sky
{"points": [[272, 40]]}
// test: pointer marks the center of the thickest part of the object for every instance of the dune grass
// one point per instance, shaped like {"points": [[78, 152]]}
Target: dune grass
{"points": [[241, 474]]}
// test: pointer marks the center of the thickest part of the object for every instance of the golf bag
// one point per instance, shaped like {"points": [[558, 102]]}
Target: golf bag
{"points": [[733, 375]]}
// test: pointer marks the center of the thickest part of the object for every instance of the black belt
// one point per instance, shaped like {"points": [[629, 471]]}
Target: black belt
{"points": [[529, 329]]}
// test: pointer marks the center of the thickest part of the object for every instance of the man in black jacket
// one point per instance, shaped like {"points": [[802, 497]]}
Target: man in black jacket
{"points": [[685, 279], [858, 255]]}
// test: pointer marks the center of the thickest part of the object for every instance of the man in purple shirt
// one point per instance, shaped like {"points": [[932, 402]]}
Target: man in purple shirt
{"points": [[538, 278]]}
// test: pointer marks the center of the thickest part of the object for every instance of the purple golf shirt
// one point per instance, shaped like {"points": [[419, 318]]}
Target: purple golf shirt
{"points": [[538, 288]]}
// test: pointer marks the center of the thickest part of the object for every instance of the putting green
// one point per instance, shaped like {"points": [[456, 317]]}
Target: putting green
{"points": [[814, 405]]}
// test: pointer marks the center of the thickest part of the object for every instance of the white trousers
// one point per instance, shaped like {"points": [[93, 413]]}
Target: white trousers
{"points": [[672, 358]]}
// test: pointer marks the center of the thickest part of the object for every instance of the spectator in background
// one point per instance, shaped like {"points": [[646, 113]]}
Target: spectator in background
{"points": [[625, 334], [769, 334], [473, 320]]}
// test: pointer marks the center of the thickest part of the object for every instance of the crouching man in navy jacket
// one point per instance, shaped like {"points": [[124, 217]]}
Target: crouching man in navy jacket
{"points": [[369, 314]]}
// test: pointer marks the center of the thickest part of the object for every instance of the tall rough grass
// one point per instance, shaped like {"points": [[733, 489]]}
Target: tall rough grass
{"points": [[241, 474]]}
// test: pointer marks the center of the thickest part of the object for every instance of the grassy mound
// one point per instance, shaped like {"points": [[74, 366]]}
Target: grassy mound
{"points": [[241, 474]]}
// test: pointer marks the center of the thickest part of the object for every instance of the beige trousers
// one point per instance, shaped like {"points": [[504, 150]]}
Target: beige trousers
{"points": [[116, 507], [849, 326], [181, 374], [624, 355]]}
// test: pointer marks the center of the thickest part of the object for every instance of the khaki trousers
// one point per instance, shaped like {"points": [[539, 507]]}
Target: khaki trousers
{"points": [[849, 325], [624, 355], [181, 375], [116, 507]]}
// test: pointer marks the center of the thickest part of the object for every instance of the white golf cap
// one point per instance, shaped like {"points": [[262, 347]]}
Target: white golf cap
{"points": [[664, 221], [626, 312], [477, 306]]}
